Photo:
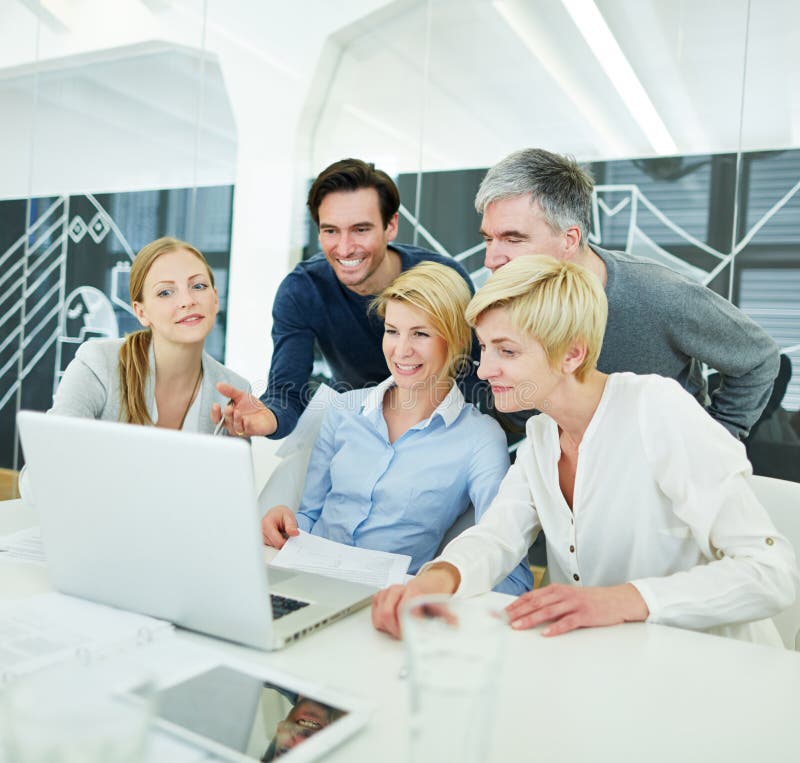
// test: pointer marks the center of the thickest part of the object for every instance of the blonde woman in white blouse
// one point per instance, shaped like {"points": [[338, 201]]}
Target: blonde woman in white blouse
{"points": [[642, 497]]}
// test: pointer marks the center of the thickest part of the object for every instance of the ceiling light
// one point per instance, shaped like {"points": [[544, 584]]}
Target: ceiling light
{"points": [[609, 55]]}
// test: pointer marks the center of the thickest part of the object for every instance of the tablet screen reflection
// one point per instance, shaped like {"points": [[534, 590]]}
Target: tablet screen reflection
{"points": [[305, 719], [260, 720]]}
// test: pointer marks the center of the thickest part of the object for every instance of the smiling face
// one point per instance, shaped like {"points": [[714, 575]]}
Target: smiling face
{"points": [[516, 365], [311, 714], [415, 354], [305, 719], [515, 226], [178, 302], [354, 239]]}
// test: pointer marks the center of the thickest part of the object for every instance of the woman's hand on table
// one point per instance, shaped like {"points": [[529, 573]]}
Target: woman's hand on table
{"points": [[387, 604], [277, 525], [568, 607]]}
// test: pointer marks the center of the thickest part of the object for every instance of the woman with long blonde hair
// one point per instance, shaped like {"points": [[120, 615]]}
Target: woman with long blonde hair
{"points": [[160, 375]]}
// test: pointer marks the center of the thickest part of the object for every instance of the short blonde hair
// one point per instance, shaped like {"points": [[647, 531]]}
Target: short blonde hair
{"points": [[442, 294], [555, 301]]}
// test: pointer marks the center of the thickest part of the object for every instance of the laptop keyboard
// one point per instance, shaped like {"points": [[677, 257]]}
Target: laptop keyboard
{"points": [[281, 605]]}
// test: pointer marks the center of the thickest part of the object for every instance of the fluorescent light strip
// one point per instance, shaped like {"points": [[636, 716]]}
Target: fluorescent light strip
{"points": [[603, 44], [549, 54]]}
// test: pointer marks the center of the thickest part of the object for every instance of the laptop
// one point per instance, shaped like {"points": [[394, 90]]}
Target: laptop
{"points": [[165, 523]]}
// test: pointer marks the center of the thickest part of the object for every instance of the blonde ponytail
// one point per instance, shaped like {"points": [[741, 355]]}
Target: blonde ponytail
{"points": [[134, 364]]}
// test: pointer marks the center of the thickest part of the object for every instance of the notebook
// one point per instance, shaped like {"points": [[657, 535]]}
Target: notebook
{"points": [[165, 523]]}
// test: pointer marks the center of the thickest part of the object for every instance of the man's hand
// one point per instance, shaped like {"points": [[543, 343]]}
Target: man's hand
{"points": [[568, 607], [277, 525], [387, 604], [245, 415]]}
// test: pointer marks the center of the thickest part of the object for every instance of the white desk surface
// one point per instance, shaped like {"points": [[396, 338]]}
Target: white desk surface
{"points": [[629, 693]]}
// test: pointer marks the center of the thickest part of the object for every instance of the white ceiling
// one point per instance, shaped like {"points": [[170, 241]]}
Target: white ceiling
{"points": [[477, 79], [436, 84]]}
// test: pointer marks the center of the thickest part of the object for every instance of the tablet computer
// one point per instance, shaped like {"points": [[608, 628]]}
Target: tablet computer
{"points": [[235, 714]]}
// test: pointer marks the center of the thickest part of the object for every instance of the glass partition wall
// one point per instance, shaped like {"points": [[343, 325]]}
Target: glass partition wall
{"points": [[111, 138], [205, 120], [685, 112]]}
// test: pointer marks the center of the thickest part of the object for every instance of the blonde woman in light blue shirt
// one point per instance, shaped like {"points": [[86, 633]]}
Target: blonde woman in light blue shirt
{"points": [[396, 472]]}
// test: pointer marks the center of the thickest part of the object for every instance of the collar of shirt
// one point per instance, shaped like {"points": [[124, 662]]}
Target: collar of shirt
{"points": [[543, 432], [448, 410]]}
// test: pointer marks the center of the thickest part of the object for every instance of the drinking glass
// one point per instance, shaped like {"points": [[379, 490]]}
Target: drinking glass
{"points": [[454, 648]]}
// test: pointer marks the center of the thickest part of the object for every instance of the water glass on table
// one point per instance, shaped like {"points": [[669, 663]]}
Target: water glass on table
{"points": [[454, 649]]}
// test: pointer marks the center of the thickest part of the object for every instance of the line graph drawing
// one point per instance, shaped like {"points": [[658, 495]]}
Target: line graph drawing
{"points": [[33, 296], [52, 319]]}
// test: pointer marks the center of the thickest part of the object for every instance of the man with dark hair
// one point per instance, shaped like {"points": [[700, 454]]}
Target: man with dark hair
{"points": [[326, 298], [351, 175], [538, 202]]}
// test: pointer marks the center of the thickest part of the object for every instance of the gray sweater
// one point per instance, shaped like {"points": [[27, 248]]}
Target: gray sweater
{"points": [[660, 322], [90, 386]]}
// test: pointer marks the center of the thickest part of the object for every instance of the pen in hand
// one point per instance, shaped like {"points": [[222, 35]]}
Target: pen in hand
{"points": [[221, 423]]}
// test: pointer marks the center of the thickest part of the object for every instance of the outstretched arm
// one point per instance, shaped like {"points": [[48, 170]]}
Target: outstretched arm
{"points": [[488, 466], [245, 415], [292, 356], [387, 605], [487, 552]]}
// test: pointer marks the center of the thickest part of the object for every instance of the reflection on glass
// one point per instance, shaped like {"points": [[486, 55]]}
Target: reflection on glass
{"points": [[238, 711], [306, 718]]}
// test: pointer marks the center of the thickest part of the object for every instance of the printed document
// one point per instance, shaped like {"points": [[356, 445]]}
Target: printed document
{"points": [[311, 553]]}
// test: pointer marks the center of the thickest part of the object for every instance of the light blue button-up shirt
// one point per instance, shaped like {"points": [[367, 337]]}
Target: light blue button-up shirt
{"points": [[402, 497]]}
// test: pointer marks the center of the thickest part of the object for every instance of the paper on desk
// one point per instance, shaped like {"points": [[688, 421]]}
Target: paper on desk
{"points": [[311, 553], [23, 546], [49, 628]]}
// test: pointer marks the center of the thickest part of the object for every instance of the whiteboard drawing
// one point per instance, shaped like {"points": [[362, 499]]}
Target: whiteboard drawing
{"points": [[43, 320], [624, 204]]}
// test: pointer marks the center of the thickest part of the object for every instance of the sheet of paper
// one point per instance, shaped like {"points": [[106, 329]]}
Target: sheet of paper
{"points": [[326, 557], [23, 546], [51, 627]]}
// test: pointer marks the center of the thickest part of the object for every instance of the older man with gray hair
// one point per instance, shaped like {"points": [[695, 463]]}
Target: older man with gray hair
{"points": [[660, 322]]}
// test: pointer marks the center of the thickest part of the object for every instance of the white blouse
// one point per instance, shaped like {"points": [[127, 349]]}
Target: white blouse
{"points": [[661, 500]]}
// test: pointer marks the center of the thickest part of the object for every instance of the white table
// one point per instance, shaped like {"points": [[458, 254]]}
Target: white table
{"points": [[630, 693]]}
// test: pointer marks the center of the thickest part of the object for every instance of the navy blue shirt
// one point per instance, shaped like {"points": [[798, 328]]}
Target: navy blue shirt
{"points": [[312, 305]]}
